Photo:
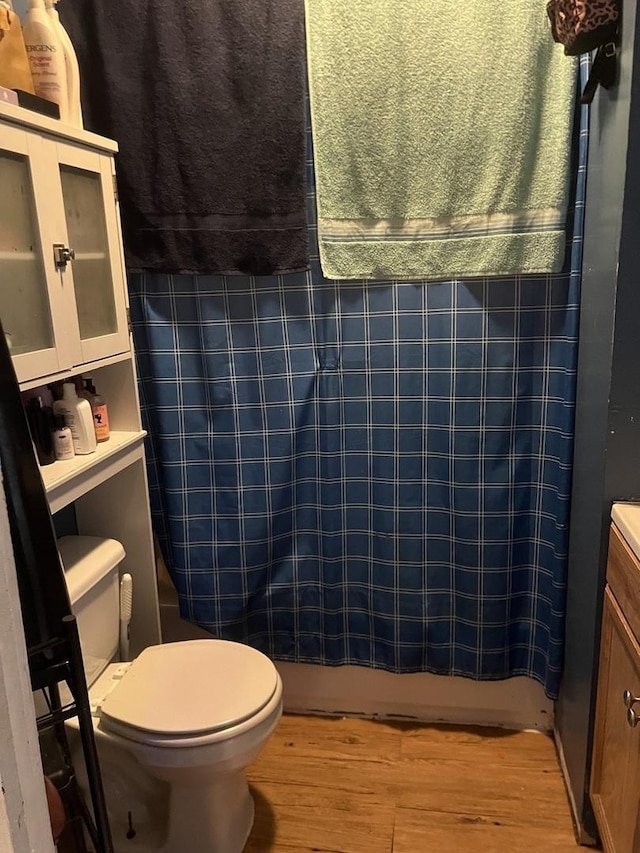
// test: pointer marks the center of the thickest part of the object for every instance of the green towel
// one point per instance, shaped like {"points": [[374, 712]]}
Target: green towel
{"points": [[442, 137]]}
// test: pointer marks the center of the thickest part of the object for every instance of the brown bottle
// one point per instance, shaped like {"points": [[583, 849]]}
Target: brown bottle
{"points": [[100, 411]]}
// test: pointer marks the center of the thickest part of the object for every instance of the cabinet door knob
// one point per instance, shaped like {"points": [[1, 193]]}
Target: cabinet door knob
{"points": [[629, 699], [62, 255], [632, 718]]}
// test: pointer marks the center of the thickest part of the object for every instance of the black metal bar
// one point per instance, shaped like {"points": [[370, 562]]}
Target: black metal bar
{"points": [[54, 721], [77, 815], [51, 632], [78, 686]]}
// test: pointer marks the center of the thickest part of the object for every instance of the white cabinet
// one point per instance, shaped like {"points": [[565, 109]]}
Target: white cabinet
{"points": [[62, 291], [63, 307]]}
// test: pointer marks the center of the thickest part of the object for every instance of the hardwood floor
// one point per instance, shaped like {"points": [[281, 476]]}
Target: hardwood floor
{"points": [[332, 785]]}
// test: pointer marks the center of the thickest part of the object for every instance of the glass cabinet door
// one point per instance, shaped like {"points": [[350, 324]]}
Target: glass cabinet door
{"points": [[24, 302], [96, 265], [32, 303], [84, 213]]}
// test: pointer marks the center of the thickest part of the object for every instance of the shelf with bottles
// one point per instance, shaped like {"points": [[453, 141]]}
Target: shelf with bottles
{"points": [[67, 479]]}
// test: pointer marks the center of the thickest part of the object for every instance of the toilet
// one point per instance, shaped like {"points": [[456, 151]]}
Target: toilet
{"points": [[176, 728]]}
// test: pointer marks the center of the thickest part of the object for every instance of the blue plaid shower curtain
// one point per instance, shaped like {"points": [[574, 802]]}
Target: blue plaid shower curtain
{"points": [[367, 473]]}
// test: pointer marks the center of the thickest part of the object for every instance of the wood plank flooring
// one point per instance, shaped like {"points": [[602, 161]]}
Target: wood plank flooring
{"points": [[330, 785]]}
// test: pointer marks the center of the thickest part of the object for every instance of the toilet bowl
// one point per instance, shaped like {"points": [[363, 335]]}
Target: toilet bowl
{"points": [[162, 711], [175, 729]]}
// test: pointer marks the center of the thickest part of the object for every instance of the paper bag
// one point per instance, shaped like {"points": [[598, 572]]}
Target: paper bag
{"points": [[14, 65]]}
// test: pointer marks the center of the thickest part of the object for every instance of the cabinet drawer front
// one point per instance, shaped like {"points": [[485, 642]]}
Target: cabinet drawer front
{"points": [[615, 779], [623, 576]]}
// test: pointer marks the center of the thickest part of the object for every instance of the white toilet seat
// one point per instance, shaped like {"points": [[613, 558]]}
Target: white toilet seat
{"points": [[189, 694]]}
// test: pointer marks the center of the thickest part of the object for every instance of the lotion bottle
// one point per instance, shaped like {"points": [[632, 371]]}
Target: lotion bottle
{"points": [[78, 417], [72, 68], [46, 57], [62, 439]]}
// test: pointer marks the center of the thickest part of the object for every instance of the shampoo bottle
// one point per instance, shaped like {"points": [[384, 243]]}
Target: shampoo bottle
{"points": [[78, 417], [46, 57], [99, 409], [70, 63]]}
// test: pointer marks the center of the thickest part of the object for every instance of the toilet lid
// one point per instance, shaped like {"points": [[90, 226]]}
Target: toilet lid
{"points": [[193, 687]]}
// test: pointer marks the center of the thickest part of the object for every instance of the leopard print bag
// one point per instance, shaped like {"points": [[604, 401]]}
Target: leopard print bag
{"points": [[586, 25], [583, 25]]}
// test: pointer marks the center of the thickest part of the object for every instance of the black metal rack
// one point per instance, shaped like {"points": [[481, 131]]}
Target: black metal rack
{"points": [[51, 632]]}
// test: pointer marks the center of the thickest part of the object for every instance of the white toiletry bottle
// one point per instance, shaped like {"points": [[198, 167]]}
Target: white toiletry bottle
{"points": [[46, 57], [79, 418], [62, 439], [70, 63]]}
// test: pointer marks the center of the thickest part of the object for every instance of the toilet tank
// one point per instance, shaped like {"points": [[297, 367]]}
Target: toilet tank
{"points": [[91, 570]]}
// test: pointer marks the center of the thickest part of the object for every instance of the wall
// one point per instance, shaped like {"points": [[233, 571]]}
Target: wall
{"points": [[607, 433]]}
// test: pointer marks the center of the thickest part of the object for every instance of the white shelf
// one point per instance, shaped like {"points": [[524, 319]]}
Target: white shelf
{"points": [[63, 375], [68, 480], [36, 121]]}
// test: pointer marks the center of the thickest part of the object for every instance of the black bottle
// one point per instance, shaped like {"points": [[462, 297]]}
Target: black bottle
{"points": [[41, 425]]}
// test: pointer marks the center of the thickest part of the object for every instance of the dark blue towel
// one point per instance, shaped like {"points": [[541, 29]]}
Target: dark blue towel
{"points": [[206, 101]]}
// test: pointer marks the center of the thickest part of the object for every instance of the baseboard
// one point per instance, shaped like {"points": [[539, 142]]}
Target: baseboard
{"points": [[582, 836], [517, 703]]}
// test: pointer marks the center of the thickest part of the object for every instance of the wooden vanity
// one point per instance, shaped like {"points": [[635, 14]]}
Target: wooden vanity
{"points": [[615, 773]]}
